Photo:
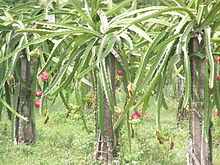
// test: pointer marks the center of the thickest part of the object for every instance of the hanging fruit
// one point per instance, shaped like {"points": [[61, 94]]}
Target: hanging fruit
{"points": [[120, 72], [44, 76], [217, 77], [135, 115], [39, 93], [217, 59], [38, 104]]}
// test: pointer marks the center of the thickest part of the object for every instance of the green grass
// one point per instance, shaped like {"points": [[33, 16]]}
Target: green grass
{"points": [[65, 142]]}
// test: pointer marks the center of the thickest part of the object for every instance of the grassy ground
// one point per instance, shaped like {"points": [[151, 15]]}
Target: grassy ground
{"points": [[65, 142]]}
